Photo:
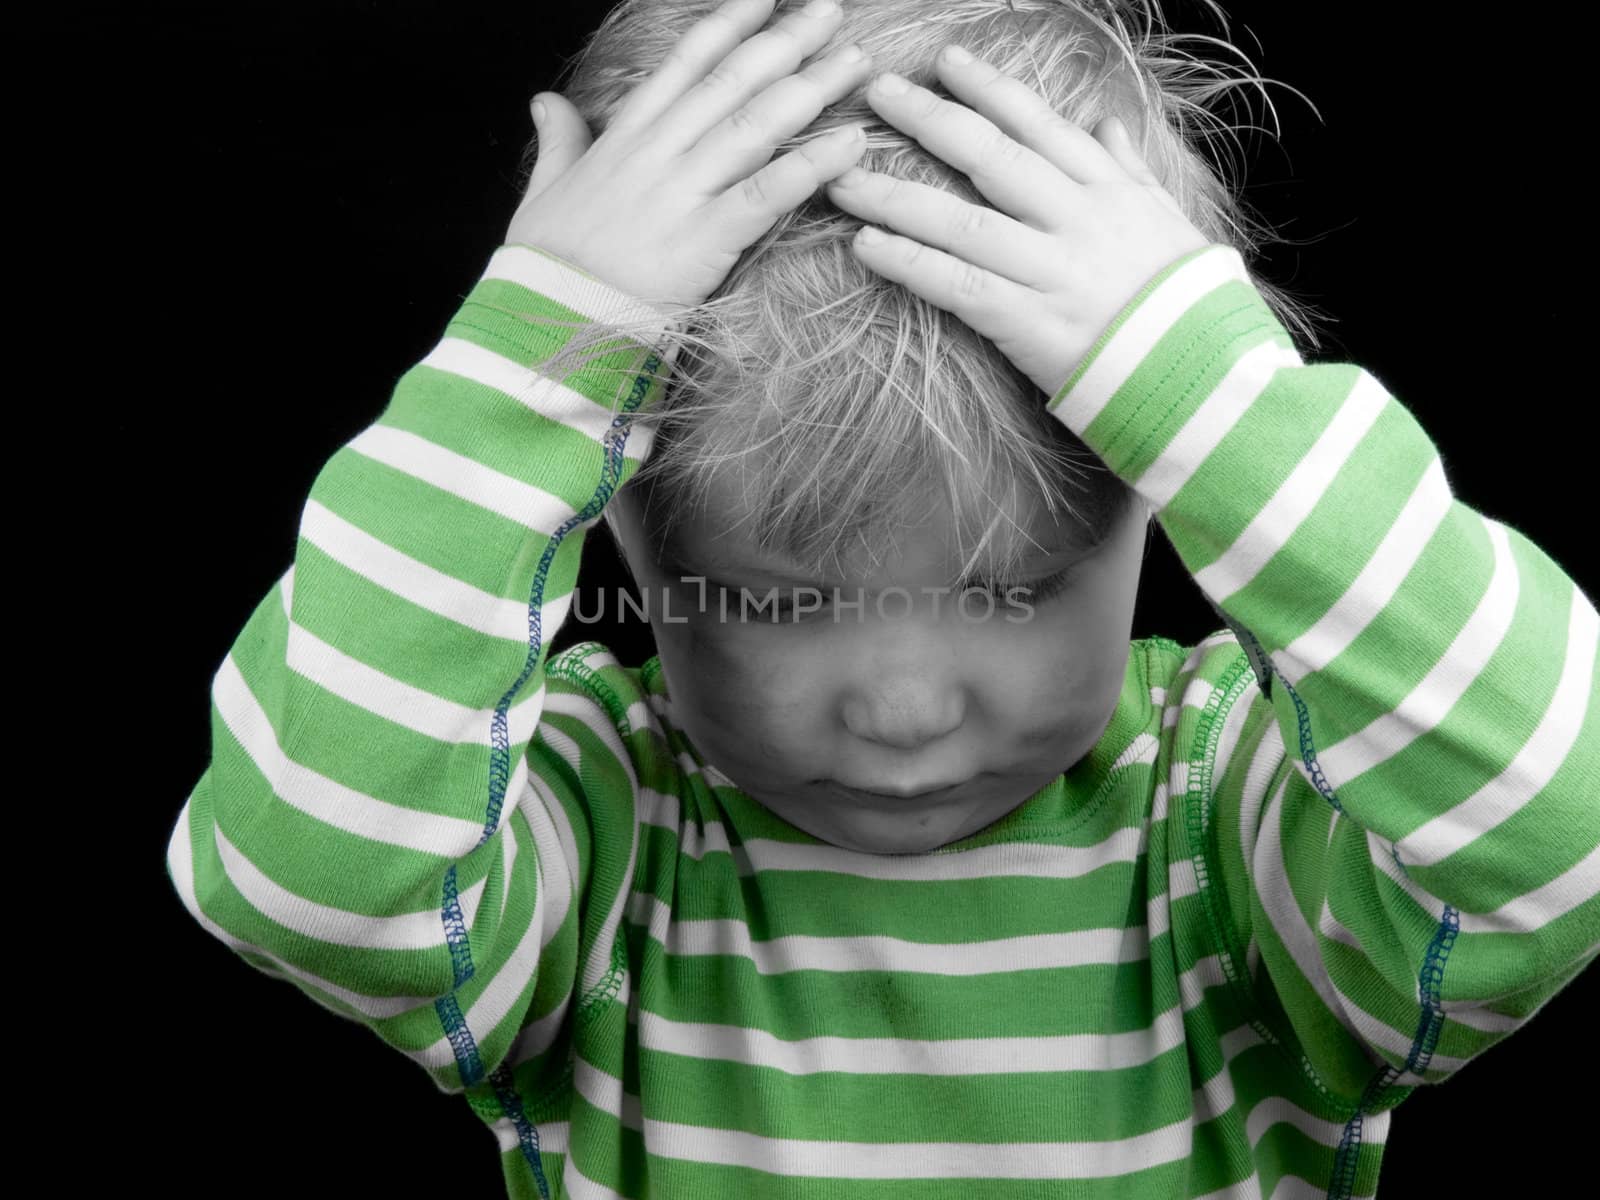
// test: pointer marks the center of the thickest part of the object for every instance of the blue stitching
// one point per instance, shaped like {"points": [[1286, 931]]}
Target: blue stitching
{"points": [[455, 931], [1430, 982], [1308, 749], [616, 440], [465, 1047], [527, 1134]]}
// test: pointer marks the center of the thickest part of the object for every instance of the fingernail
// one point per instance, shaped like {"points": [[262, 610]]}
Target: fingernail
{"points": [[869, 235], [854, 177], [537, 108], [956, 55], [821, 8], [851, 53], [890, 84]]}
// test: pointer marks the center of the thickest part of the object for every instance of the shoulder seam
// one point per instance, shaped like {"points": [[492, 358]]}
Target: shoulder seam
{"points": [[572, 666]]}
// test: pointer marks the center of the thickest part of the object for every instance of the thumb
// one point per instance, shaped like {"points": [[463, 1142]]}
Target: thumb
{"points": [[563, 138]]}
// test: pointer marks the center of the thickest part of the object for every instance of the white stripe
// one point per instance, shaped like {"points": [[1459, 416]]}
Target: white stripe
{"points": [[536, 1037], [1534, 766], [1146, 325], [1246, 1189], [1181, 880], [571, 288], [798, 1158], [1239, 711], [464, 478], [1298, 495], [1219, 413], [1031, 860], [663, 811], [1424, 511], [1265, 767], [539, 393], [1428, 703], [422, 930], [326, 799], [897, 1056], [582, 708], [1142, 751], [1292, 1187], [803, 952], [1278, 1110], [558, 861], [1484, 1020], [1270, 872], [504, 993], [422, 585], [597, 960], [180, 859], [392, 699], [1538, 908]]}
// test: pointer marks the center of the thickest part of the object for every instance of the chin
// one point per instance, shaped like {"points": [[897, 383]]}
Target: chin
{"points": [[899, 839]]}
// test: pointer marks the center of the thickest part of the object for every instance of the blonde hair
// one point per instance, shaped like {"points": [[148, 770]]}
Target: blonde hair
{"points": [[838, 398]]}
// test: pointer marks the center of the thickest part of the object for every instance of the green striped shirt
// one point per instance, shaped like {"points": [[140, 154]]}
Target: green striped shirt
{"points": [[1326, 855]]}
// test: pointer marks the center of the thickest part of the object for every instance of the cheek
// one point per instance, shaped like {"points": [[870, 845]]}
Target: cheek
{"points": [[1069, 658], [728, 679]]}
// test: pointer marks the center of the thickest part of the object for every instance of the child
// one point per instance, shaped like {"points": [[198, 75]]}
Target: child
{"points": [[900, 869]]}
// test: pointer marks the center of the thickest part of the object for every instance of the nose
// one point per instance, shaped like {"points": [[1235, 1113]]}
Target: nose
{"points": [[904, 711]]}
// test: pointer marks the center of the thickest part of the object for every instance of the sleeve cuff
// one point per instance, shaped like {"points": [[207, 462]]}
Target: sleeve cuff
{"points": [[524, 283], [1171, 346]]}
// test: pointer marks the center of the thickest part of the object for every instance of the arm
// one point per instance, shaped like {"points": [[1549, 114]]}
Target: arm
{"points": [[372, 825], [384, 822], [1418, 873], [1418, 861]]}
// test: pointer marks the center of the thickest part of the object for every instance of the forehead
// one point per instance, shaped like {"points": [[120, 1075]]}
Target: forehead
{"points": [[718, 533]]}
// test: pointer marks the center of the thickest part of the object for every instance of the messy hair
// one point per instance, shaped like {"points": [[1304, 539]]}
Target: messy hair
{"points": [[845, 406]]}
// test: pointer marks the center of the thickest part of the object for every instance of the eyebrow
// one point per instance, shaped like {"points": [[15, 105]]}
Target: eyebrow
{"points": [[1051, 563]]}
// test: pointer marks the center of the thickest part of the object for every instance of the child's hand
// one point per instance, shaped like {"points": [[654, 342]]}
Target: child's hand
{"points": [[664, 202], [1088, 223]]}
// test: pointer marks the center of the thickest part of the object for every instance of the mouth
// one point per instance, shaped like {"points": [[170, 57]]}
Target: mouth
{"points": [[922, 796]]}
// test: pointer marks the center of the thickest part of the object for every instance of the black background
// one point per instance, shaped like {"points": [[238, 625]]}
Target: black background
{"points": [[269, 211]]}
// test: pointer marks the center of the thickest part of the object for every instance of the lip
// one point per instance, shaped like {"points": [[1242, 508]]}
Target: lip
{"points": [[927, 794]]}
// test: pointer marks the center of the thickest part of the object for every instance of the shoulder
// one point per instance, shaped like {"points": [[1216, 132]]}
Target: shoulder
{"points": [[1210, 699], [589, 674]]}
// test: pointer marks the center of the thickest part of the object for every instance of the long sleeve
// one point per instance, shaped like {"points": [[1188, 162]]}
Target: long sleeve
{"points": [[381, 822], [1403, 822]]}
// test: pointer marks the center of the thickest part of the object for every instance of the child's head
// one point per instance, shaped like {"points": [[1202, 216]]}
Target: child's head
{"points": [[829, 430]]}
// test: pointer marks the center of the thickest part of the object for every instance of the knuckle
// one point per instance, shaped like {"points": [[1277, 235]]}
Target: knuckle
{"points": [[721, 78], [754, 190], [969, 281], [1053, 123], [744, 121], [968, 223], [999, 151]]}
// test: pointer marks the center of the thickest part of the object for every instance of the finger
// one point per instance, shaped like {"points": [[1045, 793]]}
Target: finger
{"points": [[707, 43], [930, 215], [991, 305], [742, 143], [1015, 178], [1113, 134], [563, 139], [748, 210], [772, 54], [1026, 117]]}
